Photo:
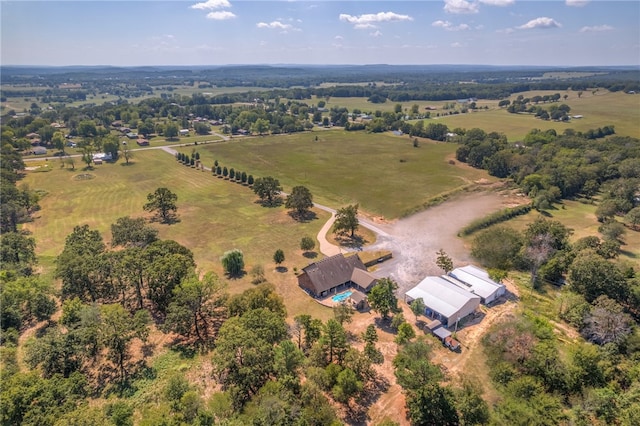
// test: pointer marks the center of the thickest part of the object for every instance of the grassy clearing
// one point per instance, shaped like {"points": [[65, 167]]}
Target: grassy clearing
{"points": [[384, 173], [598, 110], [215, 216], [581, 218]]}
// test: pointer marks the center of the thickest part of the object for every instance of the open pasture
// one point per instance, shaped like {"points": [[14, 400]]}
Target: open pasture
{"points": [[215, 216], [366, 106], [384, 173], [580, 217], [601, 109]]}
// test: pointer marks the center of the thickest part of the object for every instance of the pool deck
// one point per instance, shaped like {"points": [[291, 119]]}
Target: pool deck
{"points": [[330, 303]]}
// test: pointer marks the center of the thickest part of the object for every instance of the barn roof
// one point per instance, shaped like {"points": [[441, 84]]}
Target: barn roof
{"points": [[476, 280], [441, 295]]}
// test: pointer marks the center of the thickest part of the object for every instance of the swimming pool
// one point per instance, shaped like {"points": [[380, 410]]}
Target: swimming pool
{"points": [[342, 296]]}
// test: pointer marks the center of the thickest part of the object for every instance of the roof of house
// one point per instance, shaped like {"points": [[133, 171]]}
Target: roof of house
{"points": [[363, 278], [39, 150], [441, 295], [476, 280], [332, 271], [357, 297]]}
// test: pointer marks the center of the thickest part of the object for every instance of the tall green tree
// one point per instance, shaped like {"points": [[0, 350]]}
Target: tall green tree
{"points": [[432, 404], [132, 232], [307, 244], [592, 276], [497, 247], [196, 306], [278, 256], [243, 358], [346, 220], [333, 341], [418, 307], [299, 201], [233, 262], [171, 131], [117, 331], [80, 264], [163, 202], [17, 250], [268, 189], [443, 261], [343, 312], [382, 297], [472, 409]]}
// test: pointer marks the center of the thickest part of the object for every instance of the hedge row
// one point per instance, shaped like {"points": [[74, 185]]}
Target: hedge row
{"points": [[494, 218]]}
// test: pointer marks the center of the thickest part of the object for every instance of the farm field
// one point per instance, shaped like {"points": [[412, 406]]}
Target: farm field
{"points": [[384, 173], [362, 104], [21, 103], [598, 110], [215, 216]]}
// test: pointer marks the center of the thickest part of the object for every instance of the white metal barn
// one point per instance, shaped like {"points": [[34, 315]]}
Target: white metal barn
{"points": [[444, 300], [477, 281]]}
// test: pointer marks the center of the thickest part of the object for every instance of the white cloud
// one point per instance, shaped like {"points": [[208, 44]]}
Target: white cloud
{"points": [[449, 26], [576, 3], [505, 31], [368, 20], [377, 33], [220, 16], [212, 4], [498, 2], [273, 25], [460, 7], [542, 22], [456, 44], [339, 37], [596, 28]]}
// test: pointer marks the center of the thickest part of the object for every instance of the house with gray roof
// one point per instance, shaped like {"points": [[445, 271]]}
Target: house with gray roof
{"points": [[334, 274]]}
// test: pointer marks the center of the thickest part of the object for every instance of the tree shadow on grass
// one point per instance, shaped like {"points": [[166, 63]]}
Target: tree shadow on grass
{"points": [[236, 276], [310, 254], [304, 217], [357, 408], [282, 269], [356, 242], [169, 220], [384, 325], [276, 202]]}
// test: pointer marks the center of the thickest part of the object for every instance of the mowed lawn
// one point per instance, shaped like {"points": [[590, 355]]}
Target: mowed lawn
{"points": [[215, 216], [598, 109], [384, 173]]}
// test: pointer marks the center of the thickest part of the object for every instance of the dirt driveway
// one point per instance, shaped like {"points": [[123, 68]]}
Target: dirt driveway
{"points": [[415, 240]]}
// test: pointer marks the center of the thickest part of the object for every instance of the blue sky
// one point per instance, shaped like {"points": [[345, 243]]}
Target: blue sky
{"points": [[220, 32]]}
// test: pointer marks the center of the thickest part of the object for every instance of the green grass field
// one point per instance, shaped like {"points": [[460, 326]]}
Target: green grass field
{"points": [[384, 173], [215, 216], [581, 218], [600, 109]]}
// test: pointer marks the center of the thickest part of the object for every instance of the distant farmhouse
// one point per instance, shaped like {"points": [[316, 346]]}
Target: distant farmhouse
{"points": [[450, 298], [335, 274]]}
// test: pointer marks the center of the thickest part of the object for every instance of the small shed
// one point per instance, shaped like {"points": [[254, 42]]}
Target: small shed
{"points": [[452, 344], [358, 300], [441, 333]]}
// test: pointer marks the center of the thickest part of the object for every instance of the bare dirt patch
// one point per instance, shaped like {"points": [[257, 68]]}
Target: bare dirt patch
{"points": [[415, 240]]}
